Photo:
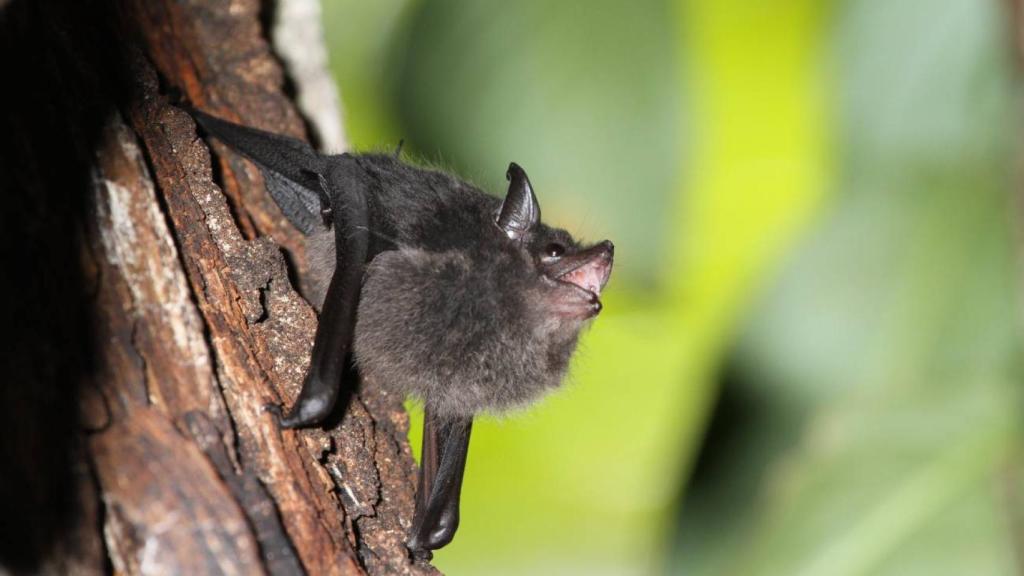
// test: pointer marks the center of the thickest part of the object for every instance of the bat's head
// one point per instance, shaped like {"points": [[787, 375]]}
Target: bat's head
{"points": [[573, 274]]}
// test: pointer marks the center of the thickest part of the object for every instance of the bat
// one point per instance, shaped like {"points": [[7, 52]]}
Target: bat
{"points": [[434, 289]]}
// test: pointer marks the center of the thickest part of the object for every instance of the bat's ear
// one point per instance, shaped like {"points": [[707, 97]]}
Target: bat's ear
{"points": [[519, 211]]}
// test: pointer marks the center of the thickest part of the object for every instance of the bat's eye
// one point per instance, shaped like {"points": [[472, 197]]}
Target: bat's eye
{"points": [[554, 250]]}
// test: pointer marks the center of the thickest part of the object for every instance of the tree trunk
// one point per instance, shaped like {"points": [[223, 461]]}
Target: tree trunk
{"points": [[152, 314]]}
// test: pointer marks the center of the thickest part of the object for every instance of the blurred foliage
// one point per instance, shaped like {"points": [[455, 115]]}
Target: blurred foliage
{"points": [[835, 231], [880, 374]]}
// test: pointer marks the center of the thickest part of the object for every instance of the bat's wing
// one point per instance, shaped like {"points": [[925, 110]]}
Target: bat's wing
{"points": [[445, 446], [293, 171], [430, 458], [338, 315]]}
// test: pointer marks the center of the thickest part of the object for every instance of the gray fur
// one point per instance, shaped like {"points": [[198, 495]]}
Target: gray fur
{"points": [[464, 332], [321, 255]]}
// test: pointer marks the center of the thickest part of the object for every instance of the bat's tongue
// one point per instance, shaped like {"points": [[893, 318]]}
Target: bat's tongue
{"points": [[594, 272], [591, 276]]}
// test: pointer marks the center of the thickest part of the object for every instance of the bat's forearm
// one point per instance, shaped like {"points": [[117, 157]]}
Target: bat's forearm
{"points": [[337, 318]]}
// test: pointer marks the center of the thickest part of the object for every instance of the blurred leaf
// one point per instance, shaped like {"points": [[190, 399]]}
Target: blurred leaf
{"points": [[927, 417], [892, 339]]}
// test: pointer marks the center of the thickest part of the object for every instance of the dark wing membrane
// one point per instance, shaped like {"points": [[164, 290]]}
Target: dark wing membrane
{"points": [[291, 168], [443, 466], [299, 204]]}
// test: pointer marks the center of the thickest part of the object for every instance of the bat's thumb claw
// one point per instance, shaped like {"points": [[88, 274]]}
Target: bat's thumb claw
{"points": [[421, 555], [275, 410]]}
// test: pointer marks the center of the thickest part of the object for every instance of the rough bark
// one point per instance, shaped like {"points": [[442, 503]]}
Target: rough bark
{"points": [[155, 315]]}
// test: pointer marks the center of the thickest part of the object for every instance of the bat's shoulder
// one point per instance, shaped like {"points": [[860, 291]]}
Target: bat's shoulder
{"points": [[403, 182], [426, 206], [394, 170]]}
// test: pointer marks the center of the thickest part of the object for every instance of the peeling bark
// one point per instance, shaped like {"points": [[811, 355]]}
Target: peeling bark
{"points": [[174, 319]]}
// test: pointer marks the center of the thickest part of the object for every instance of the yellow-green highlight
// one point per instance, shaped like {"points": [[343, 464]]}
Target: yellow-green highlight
{"points": [[586, 481], [761, 165]]}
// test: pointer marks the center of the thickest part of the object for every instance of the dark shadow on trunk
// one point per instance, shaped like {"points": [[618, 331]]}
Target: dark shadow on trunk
{"points": [[62, 83]]}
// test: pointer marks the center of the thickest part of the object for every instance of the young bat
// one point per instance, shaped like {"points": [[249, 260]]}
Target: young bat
{"points": [[440, 291]]}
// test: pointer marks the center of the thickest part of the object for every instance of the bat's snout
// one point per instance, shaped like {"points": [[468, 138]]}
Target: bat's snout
{"points": [[585, 281]]}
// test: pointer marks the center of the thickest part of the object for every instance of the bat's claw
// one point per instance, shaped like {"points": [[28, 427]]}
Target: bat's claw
{"points": [[275, 410], [421, 556]]}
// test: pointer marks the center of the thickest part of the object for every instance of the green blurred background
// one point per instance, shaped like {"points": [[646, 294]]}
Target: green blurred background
{"points": [[809, 358]]}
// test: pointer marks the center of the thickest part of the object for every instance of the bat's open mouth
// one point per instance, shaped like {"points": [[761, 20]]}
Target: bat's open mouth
{"points": [[592, 268], [589, 271]]}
